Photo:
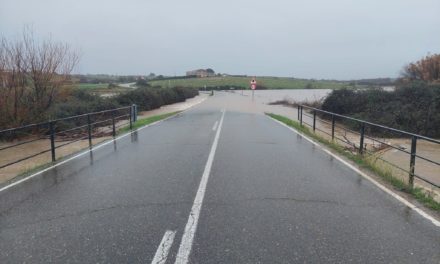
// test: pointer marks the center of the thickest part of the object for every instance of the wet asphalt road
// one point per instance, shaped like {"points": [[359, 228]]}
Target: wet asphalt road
{"points": [[272, 197]]}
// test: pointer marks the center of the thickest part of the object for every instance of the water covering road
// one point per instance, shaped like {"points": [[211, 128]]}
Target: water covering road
{"points": [[219, 183]]}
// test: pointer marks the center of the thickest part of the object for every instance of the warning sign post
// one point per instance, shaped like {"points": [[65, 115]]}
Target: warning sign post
{"points": [[253, 86]]}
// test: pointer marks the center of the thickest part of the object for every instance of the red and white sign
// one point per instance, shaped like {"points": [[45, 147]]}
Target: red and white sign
{"points": [[253, 84]]}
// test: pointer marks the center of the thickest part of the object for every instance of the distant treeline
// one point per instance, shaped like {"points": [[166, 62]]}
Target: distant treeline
{"points": [[412, 107], [375, 82], [104, 78]]}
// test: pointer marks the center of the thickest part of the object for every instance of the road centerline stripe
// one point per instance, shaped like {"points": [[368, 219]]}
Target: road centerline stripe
{"points": [[164, 248], [191, 226], [215, 126]]}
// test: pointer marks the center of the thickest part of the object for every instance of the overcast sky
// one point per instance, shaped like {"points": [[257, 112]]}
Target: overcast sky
{"points": [[331, 39]]}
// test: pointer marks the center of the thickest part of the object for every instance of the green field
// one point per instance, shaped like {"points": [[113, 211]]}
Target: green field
{"points": [[243, 82], [91, 86]]}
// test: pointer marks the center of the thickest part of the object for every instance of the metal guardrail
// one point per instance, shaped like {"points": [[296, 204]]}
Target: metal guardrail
{"points": [[83, 124], [361, 148]]}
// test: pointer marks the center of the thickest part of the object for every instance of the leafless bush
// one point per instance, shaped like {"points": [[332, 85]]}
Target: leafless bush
{"points": [[426, 69]]}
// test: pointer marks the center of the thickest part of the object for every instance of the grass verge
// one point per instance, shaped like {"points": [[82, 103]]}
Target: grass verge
{"points": [[145, 121], [26, 173], [364, 162]]}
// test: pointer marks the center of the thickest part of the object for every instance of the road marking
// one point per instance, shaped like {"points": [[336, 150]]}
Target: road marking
{"points": [[93, 148], [191, 226], [164, 248], [215, 126], [379, 185]]}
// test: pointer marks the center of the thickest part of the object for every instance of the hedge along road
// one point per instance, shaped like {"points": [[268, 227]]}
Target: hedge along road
{"points": [[210, 186]]}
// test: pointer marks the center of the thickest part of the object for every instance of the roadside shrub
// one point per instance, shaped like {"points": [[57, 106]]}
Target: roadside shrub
{"points": [[413, 107], [183, 93], [148, 98], [309, 86], [344, 101], [142, 82], [80, 102], [168, 95], [77, 102], [144, 97]]}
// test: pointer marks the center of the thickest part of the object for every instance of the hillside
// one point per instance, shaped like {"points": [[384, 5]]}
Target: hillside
{"points": [[243, 82]]}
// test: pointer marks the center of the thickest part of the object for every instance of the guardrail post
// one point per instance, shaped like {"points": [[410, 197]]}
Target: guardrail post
{"points": [[301, 116], [52, 140], [134, 112], [412, 162], [298, 112], [361, 143], [333, 127], [89, 130], [131, 119], [314, 120], [113, 124]]}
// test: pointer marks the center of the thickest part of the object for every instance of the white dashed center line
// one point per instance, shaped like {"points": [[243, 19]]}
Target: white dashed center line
{"points": [[164, 248], [215, 126]]}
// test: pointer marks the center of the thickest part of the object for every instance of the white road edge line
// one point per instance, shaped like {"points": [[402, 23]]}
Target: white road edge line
{"points": [[89, 150], [193, 218], [379, 185], [164, 248], [215, 126]]}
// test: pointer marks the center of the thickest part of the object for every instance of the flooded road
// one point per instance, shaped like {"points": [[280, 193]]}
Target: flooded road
{"points": [[297, 95], [219, 183]]}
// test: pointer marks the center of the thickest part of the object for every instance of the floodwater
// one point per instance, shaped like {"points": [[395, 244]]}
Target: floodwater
{"points": [[298, 95]]}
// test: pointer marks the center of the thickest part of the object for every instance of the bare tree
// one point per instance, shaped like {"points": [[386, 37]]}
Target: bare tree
{"points": [[13, 78], [31, 73]]}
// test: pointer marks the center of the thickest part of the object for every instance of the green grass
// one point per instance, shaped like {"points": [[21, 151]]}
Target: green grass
{"points": [[28, 172], [91, 86], [243, 82], [145, 121], [364, 162], [425, 199]]}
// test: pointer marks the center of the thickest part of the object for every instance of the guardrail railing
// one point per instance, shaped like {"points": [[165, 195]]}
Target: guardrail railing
{"points": [[330, 125], [64, 131]]}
